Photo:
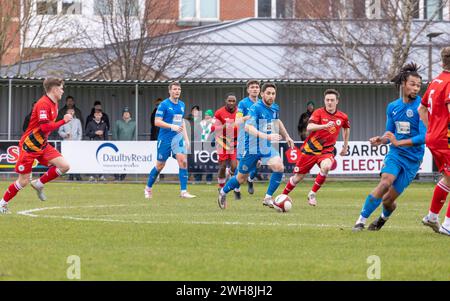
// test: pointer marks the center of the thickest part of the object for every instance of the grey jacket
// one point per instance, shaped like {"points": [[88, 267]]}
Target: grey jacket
{"points": [[72, 130]]}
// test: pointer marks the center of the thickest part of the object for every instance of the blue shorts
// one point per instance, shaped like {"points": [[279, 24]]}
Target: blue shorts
{"points": [[249, 161], [403, 169], [171, 148]]}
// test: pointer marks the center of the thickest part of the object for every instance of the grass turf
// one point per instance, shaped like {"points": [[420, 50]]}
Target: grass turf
{"points": [[119, 235]]}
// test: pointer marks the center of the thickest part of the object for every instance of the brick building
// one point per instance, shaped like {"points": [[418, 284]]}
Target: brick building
{"points": [[164, 16]]}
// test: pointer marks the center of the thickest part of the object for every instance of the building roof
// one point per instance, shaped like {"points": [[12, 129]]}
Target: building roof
{"points": [[259, 48]]}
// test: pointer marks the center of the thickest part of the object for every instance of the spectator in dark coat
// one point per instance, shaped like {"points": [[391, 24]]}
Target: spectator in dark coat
{"points": [[304, 119], [105, 118], [154, 131]]}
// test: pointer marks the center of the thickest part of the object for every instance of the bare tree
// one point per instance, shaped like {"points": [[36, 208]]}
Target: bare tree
{"points": [[9, 29], [32, 29], [139, 43], [360, 48]]}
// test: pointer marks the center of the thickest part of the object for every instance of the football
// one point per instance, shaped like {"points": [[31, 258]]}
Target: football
{"points": [[283, 203]]}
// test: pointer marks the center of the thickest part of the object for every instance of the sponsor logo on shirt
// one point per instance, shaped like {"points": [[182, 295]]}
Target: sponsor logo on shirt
{"points": [[43, 114]]}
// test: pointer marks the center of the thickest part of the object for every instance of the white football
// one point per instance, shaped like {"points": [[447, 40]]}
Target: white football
{"points": [[283, 203]]}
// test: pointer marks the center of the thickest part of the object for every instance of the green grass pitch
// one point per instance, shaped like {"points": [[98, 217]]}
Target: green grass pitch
{"points": [[118, 235]]}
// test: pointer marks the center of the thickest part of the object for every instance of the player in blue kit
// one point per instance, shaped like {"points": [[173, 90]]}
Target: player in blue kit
{"points": [[262, 126], [406, 133], [172, 139], [253, 90]]}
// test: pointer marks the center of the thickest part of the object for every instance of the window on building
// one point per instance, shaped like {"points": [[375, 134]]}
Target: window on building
{"points": [[264, 8], [359, 9], [47, 7], [433, 9], [127, 7], [275, 8], [285, 9], [103, 7], [71, 7], [199, 9]]}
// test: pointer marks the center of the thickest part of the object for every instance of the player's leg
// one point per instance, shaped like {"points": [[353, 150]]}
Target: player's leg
{"points": [[58, 166], [163, 153], [441, 191], [22, 181], [325, 167], [389, 206], [251, 178], [221, 180], [152, 177], [302, 167], [183, 175], [276, 165], [375, 198], [232, 171], [245, 164], [445, 227]]}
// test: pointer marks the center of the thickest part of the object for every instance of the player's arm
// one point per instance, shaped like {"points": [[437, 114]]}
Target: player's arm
{"points": [[48, 126], [162, 124], [313, 127], [314, 123], [185, 135], [390, 127], [250, 127], [419, 139], [346, 135], [423, 113], [252, 130], [285, 133]]}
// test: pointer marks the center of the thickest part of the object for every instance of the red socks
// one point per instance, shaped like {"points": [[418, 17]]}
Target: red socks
{"points": [[11, 192], [320, 179], [440, 194], [51, 174], [289, 187], [221, 182]]}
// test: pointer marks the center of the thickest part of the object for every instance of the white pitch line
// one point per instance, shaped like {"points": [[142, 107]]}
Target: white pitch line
{"points": [[30, 213]]}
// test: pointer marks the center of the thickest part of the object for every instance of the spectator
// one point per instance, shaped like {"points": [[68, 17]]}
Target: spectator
{"points": [[70, 104], [27, 118], [105, 118], [206, 125], [154, 131], [97, 130], [194, 119], [72, 131], [303, 121], [124, 130]]}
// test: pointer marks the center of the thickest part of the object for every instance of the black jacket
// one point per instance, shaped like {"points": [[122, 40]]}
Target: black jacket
{"points": [[93, 126], [303, 124], [105, 119], [154, 131]]}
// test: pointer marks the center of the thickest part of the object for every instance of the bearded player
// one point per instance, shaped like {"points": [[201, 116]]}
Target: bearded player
{"points": [[34, 144], [226, 137], [406, 134], [261, 144], [435, 113], [324, 127]]}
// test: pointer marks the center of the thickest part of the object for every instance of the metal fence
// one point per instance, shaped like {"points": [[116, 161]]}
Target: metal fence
{"points": [[365, 103]]}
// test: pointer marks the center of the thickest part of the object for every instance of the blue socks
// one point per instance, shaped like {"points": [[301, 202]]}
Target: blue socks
{"points": [[252, 174], [386, 213], [152, 177], [231, 184], [275, 180], [183, 175], [370, 206]]}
